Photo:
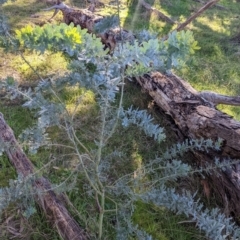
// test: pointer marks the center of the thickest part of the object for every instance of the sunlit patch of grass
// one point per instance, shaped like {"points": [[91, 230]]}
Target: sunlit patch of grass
{"points": [[230, 110], [78, 100], [44, 64], [29, 12], [218, 25], [23, 12], [5, 69]]}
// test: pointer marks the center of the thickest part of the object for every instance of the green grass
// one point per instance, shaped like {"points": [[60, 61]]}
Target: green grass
{"points": [[163, 225], [34, 228], [214, 67], [46, 64]]}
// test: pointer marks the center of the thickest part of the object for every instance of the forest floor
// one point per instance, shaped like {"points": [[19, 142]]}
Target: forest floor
{"points": [[215, 67]]}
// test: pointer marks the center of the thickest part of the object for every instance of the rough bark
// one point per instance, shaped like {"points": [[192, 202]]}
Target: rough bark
{"points": [[193, 114], [49, 202], [197, 118]]}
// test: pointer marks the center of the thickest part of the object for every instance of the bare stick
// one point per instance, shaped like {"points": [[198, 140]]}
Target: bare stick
{"points": [[216, 5], [157, 12], [220, 99], [194, 16]]}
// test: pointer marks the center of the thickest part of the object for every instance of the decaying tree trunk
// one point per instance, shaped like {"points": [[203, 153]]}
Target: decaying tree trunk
{"points": [[49, 202], [86, 19], [196, 117]]}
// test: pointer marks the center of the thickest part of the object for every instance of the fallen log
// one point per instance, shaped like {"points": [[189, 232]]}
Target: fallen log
{"points": [[192, 113], [196, 117], [87, 20], [111, 37], [49, 202]]}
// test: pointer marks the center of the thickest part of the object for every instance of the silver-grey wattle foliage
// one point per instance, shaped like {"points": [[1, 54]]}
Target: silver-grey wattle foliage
{"points": [[107, 23], [103, 74], [214, 223], [18, 190], [3, 24], [144, 121]]}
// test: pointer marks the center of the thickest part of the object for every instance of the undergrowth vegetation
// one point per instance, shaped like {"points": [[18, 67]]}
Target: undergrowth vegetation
{"points": [[82, 102]]}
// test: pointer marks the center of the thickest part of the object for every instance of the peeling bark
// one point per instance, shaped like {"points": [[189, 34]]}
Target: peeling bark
{"points": [[49, 202], [196, 116]]}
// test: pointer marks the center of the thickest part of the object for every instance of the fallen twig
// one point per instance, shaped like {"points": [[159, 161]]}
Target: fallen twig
{"points": [[157, 12], [195, 15]]}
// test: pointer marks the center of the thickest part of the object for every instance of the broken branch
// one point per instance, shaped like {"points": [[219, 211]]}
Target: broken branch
{"points": [[157, 12], [194, 16]]}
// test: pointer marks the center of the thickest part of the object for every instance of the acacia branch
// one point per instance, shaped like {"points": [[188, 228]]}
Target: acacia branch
{"points": [[49, 202]]}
